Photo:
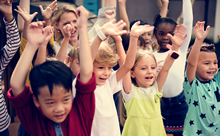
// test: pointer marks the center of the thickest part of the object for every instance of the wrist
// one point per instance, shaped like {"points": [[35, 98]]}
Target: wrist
{"points": [[101, 32]]}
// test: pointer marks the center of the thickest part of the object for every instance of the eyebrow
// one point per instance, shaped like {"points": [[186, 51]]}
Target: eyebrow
{"points": [[67, 96], [48, 99]]}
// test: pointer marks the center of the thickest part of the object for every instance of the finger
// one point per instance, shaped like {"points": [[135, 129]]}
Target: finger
{"points": [[168, 46], [41, 8], [207, 30], [122, 32], [176, 28], [170, 36], [182, 29], [34, 14]]}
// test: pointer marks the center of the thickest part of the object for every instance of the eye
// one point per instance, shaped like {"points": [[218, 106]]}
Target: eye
{"points": [[50, 103], [206, 63], [143, 68], [160, 34], [74, 21], [109, 68], [153, 67], [66, 23], [149, 34], [100, 67], [66, 100]]}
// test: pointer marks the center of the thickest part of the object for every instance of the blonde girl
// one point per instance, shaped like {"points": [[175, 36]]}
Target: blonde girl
{"points": [[142, 94]]}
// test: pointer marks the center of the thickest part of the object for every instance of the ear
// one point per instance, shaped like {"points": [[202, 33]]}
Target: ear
{"points": [[68, 60], [36, 103], [132, 74], [56, 25]]}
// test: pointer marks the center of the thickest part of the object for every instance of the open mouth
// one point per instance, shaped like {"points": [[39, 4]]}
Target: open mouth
{"points": [[73, 33], [211, 72], [149, 77], [103, 79], [59, 116]]}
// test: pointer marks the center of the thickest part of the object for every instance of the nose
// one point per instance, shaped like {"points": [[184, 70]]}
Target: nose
{"points": [[106, 71], [165, 37], [59, 108]]}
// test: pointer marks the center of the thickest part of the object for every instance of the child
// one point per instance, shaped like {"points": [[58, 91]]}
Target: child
{"points": [[173, 103], [73, 61], [6, 54], [142, 98], [51, 111], [201, 87]]}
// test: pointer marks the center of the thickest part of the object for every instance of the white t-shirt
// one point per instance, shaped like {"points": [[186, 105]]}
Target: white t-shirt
{"points": [[105, 122]]}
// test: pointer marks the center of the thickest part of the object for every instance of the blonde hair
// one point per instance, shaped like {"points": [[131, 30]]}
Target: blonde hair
{"points": [[74, 53], [63, 8], [140, 54], [106, 55]]}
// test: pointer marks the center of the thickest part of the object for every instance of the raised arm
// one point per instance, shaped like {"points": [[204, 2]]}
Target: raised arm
{"points": [[123, 13], [12, 35], [86, 63], [108, 29], [48, 12], [42, 50], [23, 4], [61, 54], [177, 41], [27, 19], [123, 71], [188, 22], [20, 72], [194, 53], [164, 8]]}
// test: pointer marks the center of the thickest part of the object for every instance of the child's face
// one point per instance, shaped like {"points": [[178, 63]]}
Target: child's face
{"points": [[74, 66], [161, 34], [68, 18], [57, 106], [147, 39], [207, 66], [145, 72], [102, 73]]}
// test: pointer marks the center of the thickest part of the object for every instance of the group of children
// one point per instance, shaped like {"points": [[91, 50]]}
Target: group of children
{"points": [[71, 90]]}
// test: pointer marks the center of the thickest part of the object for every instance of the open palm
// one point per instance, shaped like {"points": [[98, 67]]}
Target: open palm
{"points": [[6, 7], [200, 33], [25, 15]]}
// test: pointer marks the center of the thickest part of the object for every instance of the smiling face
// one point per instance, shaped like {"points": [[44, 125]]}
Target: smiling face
{"points": [[102, 72], [57, 106], [207, 66], [68, 18], [144, 72], [161, 35]]}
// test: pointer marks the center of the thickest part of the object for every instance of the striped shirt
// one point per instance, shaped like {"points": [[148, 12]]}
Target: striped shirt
{"points": [[6, 54]]}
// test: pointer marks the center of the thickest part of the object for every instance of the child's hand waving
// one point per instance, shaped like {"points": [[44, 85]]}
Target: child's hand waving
{"points": [[200, 33], [36, 29], [25, 15], [178, 38], [113, 29], [137, 29]]}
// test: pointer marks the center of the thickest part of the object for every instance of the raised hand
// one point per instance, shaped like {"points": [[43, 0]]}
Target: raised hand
{"points": [[47, 13], [82, 16], [200, 33], [122, 1], [25, 15], [137, 29], [109, 15], [6, 6], [66, 31], [37, 34], [179, 36], [111, 29]]}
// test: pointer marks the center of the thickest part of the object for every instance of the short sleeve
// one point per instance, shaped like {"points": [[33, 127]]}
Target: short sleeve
{"points": [[115, 86], [128, 97], [187, 87]]}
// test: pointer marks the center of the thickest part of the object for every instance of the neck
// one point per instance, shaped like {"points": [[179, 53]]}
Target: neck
{"points": [[74, 43], [163, 50]]}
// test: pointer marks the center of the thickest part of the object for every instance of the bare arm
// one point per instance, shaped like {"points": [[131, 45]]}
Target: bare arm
{"points": [[27, 19], [108, 29], [61, 54], [24, 4], [177, 41], [123, 13], [194, 54], [123, 71], [164, 8], [20, 72]]}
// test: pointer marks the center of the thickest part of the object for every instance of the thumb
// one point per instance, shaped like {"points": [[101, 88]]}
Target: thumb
{"points": [[34, 14], [41, 8]]}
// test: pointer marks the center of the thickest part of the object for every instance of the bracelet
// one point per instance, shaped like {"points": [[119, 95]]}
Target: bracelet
{"points": [[100, 33], [133, 36]]}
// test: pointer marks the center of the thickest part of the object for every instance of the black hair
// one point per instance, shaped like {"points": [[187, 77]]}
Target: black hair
{"points": [[50, 73], [142, 22], [158, 20]]}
